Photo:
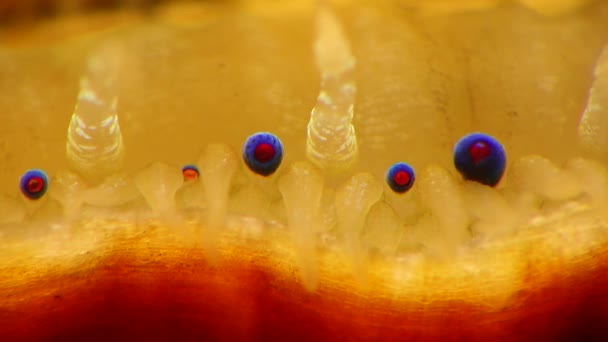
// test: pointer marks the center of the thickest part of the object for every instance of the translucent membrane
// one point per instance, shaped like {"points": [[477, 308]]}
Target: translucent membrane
{"points": [[219, 163], [594, 123], [332, 143], [302, 190], [95, 145], [158, 183]]}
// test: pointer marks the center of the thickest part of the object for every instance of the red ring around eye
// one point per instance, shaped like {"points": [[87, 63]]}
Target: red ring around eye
{"points": [[479, 150], [35, 185], [190, 174], [401, 178], [264, 152]]}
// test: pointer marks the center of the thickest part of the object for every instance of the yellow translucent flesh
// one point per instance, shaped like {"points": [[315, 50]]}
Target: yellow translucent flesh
{"points": [[423, 82], [196, 74]]}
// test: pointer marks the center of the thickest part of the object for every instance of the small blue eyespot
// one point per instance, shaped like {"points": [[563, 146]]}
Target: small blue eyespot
{"points": [[190, 172], [481, 158], [263, 153], [400, 177], [33, 184]]}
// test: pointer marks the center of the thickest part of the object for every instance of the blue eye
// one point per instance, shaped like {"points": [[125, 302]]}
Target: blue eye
{"points": [[190, 172], [481, 158], [263, 153], [33, 184], [400, 177]]}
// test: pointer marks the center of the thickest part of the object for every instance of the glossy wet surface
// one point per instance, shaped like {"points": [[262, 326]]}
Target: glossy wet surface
{"points": [[422, 81]]}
